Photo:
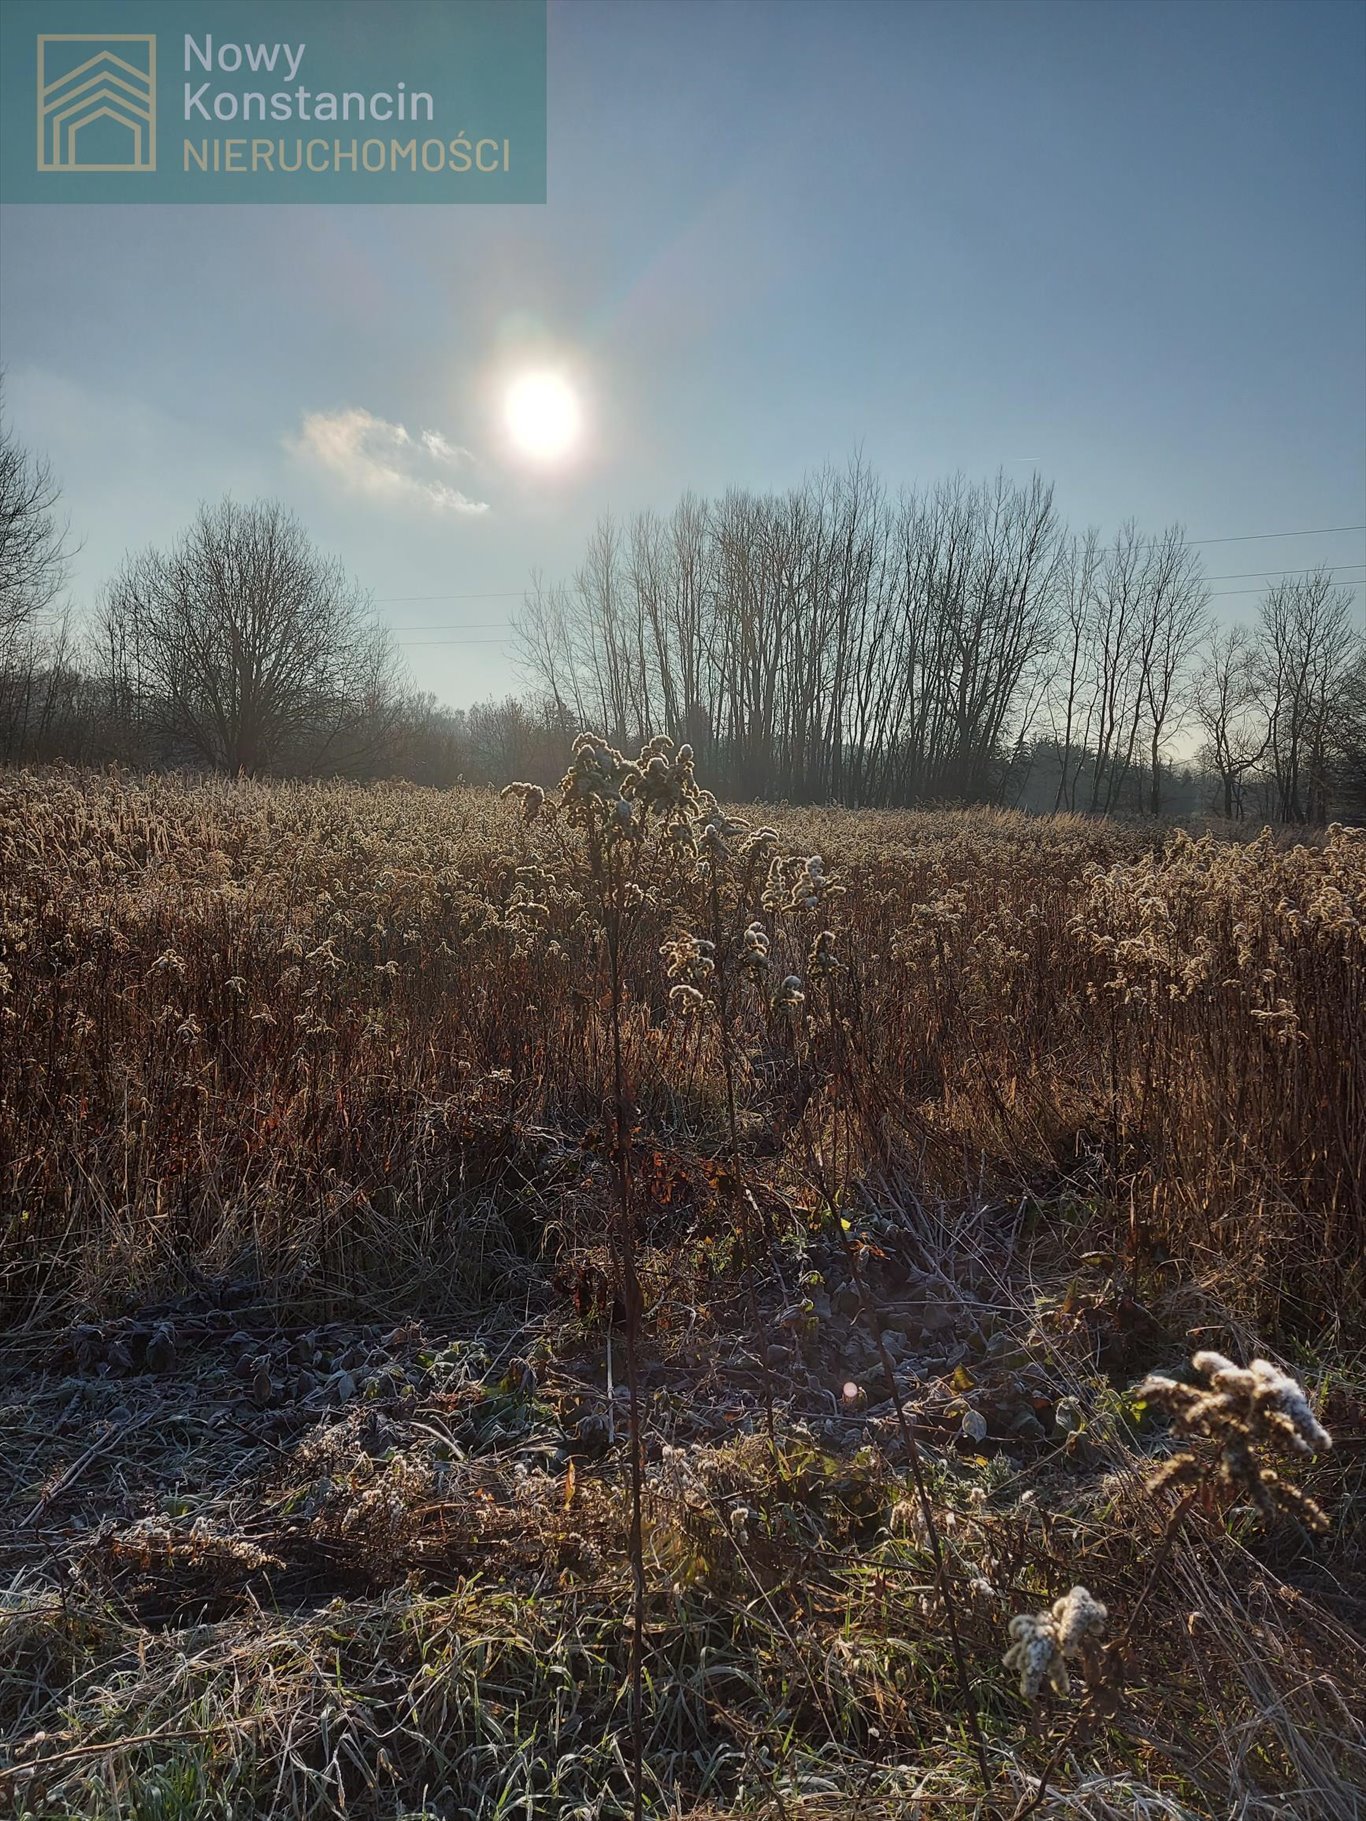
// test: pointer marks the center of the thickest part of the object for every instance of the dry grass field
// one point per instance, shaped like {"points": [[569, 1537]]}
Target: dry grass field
{"points": [[435, 1227]]}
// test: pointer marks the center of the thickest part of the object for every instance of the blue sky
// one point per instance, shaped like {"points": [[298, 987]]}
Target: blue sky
{"points": [[1124, 243]]}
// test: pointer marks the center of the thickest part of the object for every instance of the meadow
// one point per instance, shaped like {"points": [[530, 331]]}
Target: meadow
{"points": [[564, 1302]]}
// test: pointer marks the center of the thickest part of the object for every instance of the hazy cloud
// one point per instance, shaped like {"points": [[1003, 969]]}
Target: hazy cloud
{"points": [[385, 461]]}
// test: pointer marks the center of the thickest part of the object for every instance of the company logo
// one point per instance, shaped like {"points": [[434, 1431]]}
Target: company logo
{"points": [[97, 107], [412, 101]]}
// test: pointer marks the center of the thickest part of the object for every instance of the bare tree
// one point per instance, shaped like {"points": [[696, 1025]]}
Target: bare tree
{"points": [[1116, 674], [245, 648], [543, 630], [38, 680], [1349, 742], [820, 643], [1227, 709], [1307, 651], [1068, 698], [34, 551], [1173, 623], [833, 644], [1131, 620]]}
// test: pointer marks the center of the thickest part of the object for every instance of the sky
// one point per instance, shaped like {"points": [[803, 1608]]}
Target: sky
{"points": [[1122, 244]]}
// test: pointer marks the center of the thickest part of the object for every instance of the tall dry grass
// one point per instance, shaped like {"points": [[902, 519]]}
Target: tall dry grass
{"points": [[329, 1034]]}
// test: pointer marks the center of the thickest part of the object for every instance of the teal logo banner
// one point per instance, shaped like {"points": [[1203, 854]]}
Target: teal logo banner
{"points": [[427, 101]]}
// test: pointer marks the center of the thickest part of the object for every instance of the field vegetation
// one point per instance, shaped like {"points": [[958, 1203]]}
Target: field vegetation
{"points": [[591, 1300]]}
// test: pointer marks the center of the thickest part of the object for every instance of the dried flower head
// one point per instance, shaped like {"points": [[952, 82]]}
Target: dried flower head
{"points": [[822, 962], [1045, 1642], [755, 954], [1227, 1415], [690, 958], [530, 796], [797, 884], [789, 997]]}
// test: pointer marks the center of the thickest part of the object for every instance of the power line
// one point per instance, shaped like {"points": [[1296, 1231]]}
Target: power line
{"points": [[1227, 594], [1253, 537], [509, 594], [1309, 569]]}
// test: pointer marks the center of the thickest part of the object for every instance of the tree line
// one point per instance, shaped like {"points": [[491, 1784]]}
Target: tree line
{"points": [[838, 644], [834, 643]]}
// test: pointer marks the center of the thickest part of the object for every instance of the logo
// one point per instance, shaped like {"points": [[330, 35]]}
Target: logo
{"points": [[97, 106], [411, 101]]}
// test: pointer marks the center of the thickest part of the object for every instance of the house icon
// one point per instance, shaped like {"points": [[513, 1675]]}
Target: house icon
{"points": [[97, 102]]}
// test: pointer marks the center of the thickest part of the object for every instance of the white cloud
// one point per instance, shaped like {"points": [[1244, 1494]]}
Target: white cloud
{"points": [[384, 461]]}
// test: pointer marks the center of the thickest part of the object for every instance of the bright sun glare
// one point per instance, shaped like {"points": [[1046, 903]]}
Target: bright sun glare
{"points": [[543, 416]]}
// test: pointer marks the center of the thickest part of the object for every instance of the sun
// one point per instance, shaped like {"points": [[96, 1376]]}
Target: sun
{"points": [[543, 416]]}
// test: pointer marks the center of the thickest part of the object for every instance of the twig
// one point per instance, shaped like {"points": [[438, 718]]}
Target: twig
{"points": [[111, 1745], [81, 1462]]}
